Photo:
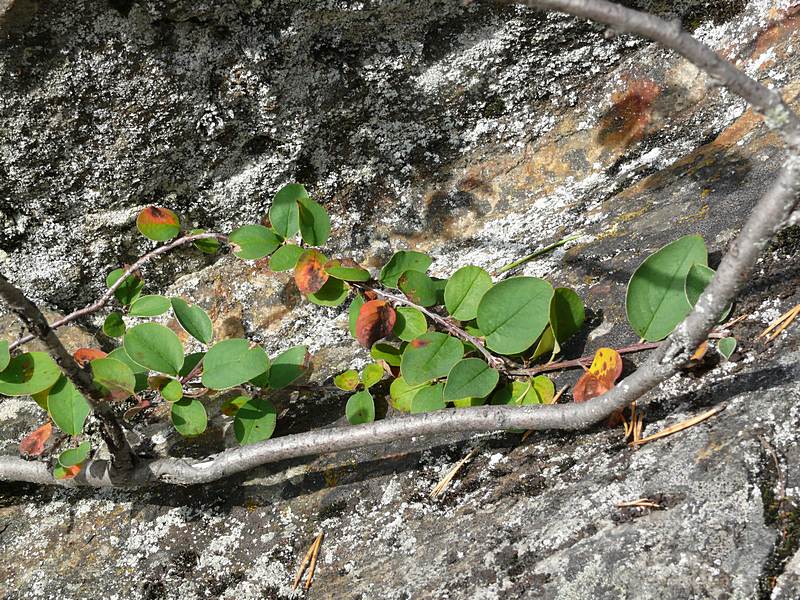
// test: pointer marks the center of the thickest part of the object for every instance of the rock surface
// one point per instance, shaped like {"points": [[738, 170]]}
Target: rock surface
{"points": [[476, 133]]}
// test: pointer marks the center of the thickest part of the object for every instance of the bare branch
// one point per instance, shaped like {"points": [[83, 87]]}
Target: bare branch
{"points": [[105, 298]]}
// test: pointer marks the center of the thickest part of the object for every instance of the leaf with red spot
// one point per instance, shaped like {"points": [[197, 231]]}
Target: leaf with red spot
{"points": [[84, 355], [33, 443], [375, 321], [309, 272], [604, 371], [61, 472], [158, 224]]}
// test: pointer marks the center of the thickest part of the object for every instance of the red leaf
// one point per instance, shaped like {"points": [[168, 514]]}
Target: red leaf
{"points": [[33, 443], [606, 368], [84, 355], [309, 273], [375, 321], [70, 472], [156, 215]]}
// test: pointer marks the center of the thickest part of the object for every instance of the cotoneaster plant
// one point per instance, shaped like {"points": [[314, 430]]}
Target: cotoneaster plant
{"points": [[464, 341]]}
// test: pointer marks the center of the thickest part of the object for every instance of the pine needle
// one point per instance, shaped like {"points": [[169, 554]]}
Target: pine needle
{"points": [[445, 481], [677, 427], [780, 324], [310, 557]]}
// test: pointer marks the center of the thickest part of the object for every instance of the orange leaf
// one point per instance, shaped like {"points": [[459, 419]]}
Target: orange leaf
{"points": [[70, 472], [606, 368], [375, 321], [309, 273], [84, 355], [33, 443]]}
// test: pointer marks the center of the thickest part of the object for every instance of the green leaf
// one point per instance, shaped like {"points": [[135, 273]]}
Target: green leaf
{"points": [[289, 366], [232, 362], [418, 288], [206, 245], [566, 314], [189, 417], [67, 406], [284, 214], [129, 290], [470, 378], [545, 388], [387, 353], [113, 375], [518, 392], [360, 408], [347, 381], [469, 402], [114, 326], [5, 355], [252, 242], [139, 372], [352, 313], [371, 374], [285, 257], [428, 399], [439, 286], [155, 347], [514, 313], [409, 323], [194, 320], [346, 270], [546, 344], [158, 224], [656, 298], [172, 391], [255, 421], [401, 394], [333, 293], [74, 456], [464, 291], [28, 374], [726, 347], [429, 356], [402, 261], [697, 280], [315, 224], [149, 306]]}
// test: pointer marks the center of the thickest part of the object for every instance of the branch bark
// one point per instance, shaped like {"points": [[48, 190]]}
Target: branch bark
{"points": [[774, 208]]}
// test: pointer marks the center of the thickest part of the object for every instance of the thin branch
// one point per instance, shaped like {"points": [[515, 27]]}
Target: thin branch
{"points": [[582, 361], [536, 254], [773, 209], [105, 298], [36, 322]]}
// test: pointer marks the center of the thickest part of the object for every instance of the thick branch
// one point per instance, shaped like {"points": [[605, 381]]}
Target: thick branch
{"points": [[36, 322], [105, 298]]}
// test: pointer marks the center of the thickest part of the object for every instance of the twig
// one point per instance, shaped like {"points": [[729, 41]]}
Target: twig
{"points": [[105, 298], [36, 322], [540, 252], [640, 503], [555, 399], [678, 426], [444, 483], [582, 361]]}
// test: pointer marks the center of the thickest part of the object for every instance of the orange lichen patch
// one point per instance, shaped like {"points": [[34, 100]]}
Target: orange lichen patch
{"points": [[777, 31], [630, 114]]}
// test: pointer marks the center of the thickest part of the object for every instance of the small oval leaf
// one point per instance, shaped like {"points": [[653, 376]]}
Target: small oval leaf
{"points": [[430, 356], [464, 290], [309, 273], [285, 257], [289, 366], [470, 378], [401, 394], [5, 356], [315, 224], [113, 325], [253, 242], [371, 374], [428, 399], [33, 443], [149, 306], [410, 323], [155, 347], [158, 224], [206, 245], [114, 376], [74, 456], [726, 347], [347, 381], [346, 270], [67, 407], [255, 421], [375, 321], [333, 293], [194, 320], [418, 287], [402, 261], [284, 213], [28, 373], [189, 417], [360, 408], [232, 362], [129, 289]]}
